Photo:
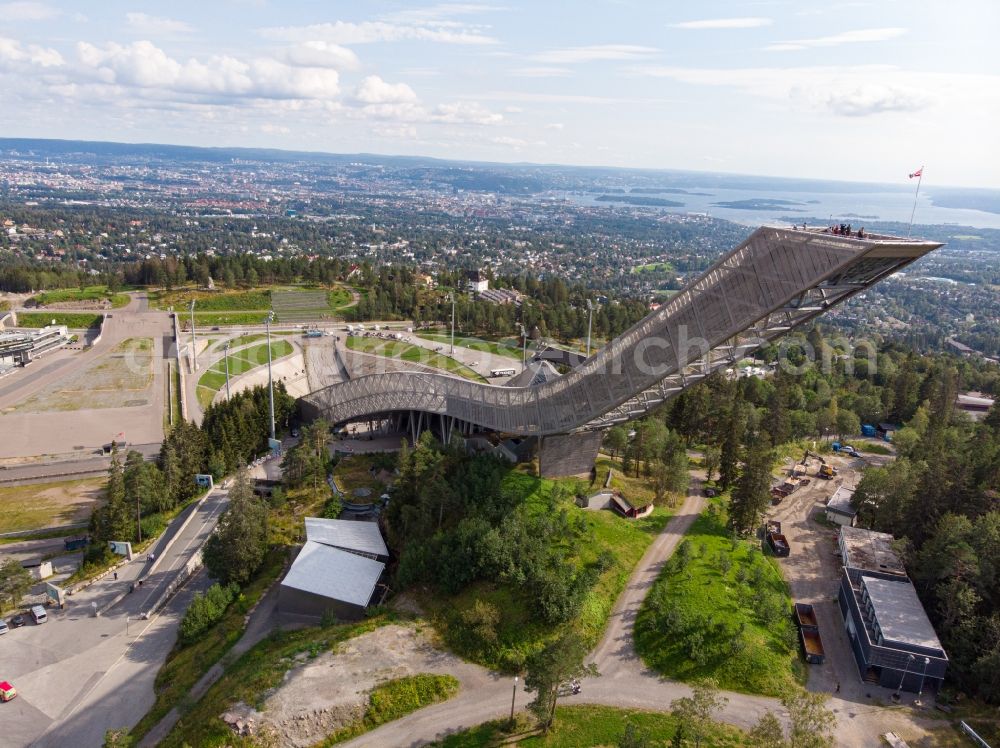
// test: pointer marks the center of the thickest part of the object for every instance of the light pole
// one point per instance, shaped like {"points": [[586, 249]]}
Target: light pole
{"points": [[126, 625], [524, 346], [194, 349], [229, 394], [451, 298], [590, 324], [512, 697], [270, 380], [906, 669], [923, 674]]}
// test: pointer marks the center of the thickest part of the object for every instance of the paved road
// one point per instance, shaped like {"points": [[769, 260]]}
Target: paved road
{"points": [[79, 675], [56, 470]]}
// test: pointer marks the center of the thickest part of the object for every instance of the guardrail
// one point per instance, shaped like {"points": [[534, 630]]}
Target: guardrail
{"points": [[973, 734], [180, 370]]}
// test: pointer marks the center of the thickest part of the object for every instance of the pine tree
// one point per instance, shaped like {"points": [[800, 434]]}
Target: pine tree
{"points": [[751, 497]]}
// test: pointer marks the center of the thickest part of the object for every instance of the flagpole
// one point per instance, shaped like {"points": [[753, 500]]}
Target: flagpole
{"points": [[920, 176]]}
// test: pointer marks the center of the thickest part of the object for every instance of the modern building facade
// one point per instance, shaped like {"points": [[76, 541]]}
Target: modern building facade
{"points": [[893, 640]]}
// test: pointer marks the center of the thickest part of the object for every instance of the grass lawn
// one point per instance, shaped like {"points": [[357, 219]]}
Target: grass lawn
{"points": [[91, 293], [395, 699], [721, 610], [251, 677], [224, 319], [518, 632], [185, 665], [4, 305], [587, 726], [240, 362], [73, 320], [338, 298], [211, 301], [48, 504], [353, 472], [412, 353], [474, 344], [654, 267]]}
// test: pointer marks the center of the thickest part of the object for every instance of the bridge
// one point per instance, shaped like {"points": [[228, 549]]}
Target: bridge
{"points": [[775, 281]]}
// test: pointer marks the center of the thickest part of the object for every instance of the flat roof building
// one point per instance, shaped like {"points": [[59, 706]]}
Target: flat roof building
{"points": [[839, 509], [893, 640]]}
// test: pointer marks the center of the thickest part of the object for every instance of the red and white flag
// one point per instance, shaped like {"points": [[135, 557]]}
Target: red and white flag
{"points": [[919, 172]]}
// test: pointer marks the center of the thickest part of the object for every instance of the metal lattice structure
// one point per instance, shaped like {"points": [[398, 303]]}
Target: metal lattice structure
{"points": [[776, 280]]}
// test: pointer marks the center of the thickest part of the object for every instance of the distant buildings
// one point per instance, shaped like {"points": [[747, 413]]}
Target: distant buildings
{"points": [[893, 640], [975, 404], [839, 509], [501, 296], [478, 282]]}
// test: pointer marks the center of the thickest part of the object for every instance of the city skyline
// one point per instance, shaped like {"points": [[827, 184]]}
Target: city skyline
{"points": [[864, 92]]}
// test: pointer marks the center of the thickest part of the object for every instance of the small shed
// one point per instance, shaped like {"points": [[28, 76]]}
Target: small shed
{"points": [[839, 509]]}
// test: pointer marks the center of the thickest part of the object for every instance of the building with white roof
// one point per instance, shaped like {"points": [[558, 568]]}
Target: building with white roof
{"points": [[839, 509], [328, 581], [363, 538]]}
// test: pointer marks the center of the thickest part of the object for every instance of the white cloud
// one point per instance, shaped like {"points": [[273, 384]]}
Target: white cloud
{"points": [[367, 32], [148, 25], [396, 132], [835, 40], [852, 91], [144, 65], [26, 11], [868, 99], [439, 13], [724, 23], [541, 72], [595, 52], [374, 90], [555, 126], [320, 54], [465, 113], [275, 129], [13, 51]]}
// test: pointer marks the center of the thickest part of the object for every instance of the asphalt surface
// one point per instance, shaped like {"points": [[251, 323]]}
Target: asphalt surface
{"points": [[79, 675]]}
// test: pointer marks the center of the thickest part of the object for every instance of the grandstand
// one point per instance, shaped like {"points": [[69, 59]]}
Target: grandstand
{"points": [[294, 307]]}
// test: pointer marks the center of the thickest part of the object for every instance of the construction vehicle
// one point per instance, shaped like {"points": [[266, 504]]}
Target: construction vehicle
{"points": [[812, 645], [825, 471], [775, 539]]}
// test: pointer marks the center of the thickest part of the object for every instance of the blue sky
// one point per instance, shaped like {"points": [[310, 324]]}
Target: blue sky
{"points": [[864, 91]]}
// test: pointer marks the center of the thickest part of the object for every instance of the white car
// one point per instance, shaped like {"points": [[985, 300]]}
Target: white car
{"points": [[4, 628]]}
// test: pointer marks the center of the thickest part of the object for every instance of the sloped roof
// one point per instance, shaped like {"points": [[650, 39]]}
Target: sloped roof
{"points": [[333, 573], [349, 535]]}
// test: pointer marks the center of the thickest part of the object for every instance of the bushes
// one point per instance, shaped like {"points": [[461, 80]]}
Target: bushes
{"points": [[205, 610]]}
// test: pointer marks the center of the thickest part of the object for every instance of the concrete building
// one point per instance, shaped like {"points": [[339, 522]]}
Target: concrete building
{"points": [[975, 404], [839, 509], [478, 282], [893, 640]]}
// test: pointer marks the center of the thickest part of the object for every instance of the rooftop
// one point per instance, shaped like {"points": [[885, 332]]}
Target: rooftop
{"points": [[840, 502], [869, 551], [333, 573], [899, 613], [348, 535]]}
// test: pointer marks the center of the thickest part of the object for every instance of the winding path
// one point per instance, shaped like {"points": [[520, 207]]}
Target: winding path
{"points": [[625, 681]]}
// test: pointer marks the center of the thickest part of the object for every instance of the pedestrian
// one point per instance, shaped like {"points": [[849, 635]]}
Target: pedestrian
{"points": [[838, 686], [116, 576]]}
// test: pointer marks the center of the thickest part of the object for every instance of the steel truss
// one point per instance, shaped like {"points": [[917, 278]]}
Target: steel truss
{"points": [[775, 281]]}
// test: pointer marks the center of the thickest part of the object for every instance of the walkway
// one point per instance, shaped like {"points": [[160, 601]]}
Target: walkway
{"points": [[624, 681]]}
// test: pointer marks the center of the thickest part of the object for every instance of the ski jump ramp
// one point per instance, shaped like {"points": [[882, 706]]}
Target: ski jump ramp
{"points": [[775, 281]]}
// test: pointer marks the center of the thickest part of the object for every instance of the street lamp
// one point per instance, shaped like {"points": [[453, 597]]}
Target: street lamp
{"points": [[451, 298], [229, 394], [194, 349], [524, 346], [512, 697], [923, 673], [590, 324], [906, 669], [270, 379]]}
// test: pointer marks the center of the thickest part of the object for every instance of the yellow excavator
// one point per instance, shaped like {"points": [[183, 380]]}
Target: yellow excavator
{"points": [[825, 471]]}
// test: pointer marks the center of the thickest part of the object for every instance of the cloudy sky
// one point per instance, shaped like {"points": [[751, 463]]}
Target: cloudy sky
{"points": [[864, 91]]}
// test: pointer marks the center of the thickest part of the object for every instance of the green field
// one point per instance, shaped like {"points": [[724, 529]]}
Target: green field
{"points": [[4, 306], [412, 353], [240, 362], [211, 301], [474, 344], [73, 320], [587, 727], [91, 293], [654, 267], [518, 633], [720, 609]]}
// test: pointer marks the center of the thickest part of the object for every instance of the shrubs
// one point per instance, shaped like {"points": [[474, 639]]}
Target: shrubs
{"points": [[205, 610]]}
